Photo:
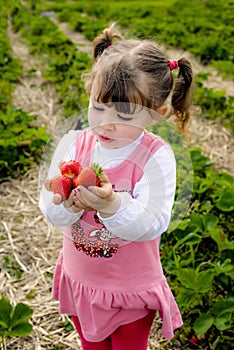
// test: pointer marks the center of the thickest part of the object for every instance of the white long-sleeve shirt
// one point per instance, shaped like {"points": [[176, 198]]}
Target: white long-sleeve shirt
{"points": [[143, 216]]}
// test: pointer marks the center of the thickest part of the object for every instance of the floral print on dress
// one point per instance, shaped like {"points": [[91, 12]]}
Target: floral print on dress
{"points": [[97, 244]]}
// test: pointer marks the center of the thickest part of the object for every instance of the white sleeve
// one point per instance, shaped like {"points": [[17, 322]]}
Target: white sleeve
{"points": [[58, 214], [147, 214]]}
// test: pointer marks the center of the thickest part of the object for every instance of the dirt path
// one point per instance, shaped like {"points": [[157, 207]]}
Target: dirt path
{"points": [[33, 94]]}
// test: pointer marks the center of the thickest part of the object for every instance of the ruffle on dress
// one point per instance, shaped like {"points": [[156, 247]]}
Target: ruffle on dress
{"points": [[101, 312]]}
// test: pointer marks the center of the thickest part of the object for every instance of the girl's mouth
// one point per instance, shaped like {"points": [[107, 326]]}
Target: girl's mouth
{"points": [[104, 138]]}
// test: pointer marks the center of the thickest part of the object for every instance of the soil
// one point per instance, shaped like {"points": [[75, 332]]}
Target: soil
{"points": [[29, 245]]}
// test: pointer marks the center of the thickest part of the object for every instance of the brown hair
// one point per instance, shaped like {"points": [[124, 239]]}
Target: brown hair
{"points": [[137, 72]]}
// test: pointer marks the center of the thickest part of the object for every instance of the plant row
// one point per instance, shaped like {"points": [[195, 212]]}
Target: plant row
{"points": [[10, 68], [205, 28], [21, 143], [214, 104], [144, 21], [64, 65], [198, 257], [197, 250]]}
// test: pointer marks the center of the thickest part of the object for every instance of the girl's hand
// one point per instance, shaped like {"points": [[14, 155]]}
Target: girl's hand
{"points": [[57, 199], [103, 198]]}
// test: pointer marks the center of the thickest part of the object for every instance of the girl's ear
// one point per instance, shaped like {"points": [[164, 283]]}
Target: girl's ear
{"points": [[161, 111]]}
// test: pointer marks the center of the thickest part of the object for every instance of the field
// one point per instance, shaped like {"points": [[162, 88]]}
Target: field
{"points": [[45, 48]]}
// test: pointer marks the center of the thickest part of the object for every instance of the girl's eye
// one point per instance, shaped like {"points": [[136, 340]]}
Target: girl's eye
{"points": [[98, 108], [126, 119]]}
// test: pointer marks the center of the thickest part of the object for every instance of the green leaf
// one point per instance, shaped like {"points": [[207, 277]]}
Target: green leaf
{"points": [[196, 219], [5, 312], [223, 307], [203, 323], [226, 200], [223, 322], [22, 312], [21, 329], [3, 324], [204, 280], [205, 184], [187, 277], [197, 281], [185, 297], [209, 221], [191, 238], [226, 267], [221, 239]]}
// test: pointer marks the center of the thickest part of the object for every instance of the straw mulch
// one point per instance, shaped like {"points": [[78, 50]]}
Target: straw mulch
{"points": [[30, 246]]}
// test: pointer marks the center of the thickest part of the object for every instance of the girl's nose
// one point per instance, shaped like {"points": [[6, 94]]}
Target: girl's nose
{"points": [[107, 126]]}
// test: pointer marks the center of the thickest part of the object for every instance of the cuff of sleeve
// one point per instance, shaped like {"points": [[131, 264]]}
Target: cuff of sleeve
{"points": [[58, 215]]}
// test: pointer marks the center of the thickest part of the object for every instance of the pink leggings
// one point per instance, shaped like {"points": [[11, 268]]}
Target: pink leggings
{"points": [[131, 336]]}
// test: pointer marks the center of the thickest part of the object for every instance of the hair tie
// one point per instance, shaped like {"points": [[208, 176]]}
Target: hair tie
{"points": [[173, 64]]}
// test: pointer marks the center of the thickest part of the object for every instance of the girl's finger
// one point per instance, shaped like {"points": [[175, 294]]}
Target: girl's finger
{"points": [[47, 184], [77, 202], [68, 203], [104, 178], [87, 196], [104, 191], [57, 199]]}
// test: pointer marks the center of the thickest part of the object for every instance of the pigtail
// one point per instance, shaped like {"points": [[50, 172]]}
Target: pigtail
{"points": [[104, 40], [182, 94]]}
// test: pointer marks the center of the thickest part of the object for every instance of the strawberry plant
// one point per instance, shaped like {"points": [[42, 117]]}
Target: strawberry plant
{"points": [[14, 320], [12, 267], [214, 103], [21, 144], [173, 22], [198, 257], [10, 68], [197, 250], [64, 65], [86, 25]]}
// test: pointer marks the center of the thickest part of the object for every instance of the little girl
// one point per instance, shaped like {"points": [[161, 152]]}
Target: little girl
{"points": [[109, 275]]}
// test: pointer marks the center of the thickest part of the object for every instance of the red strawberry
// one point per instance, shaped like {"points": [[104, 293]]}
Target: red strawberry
{"points": [[75, 181], [70, 169], [61, 185], [193, 340], [89, 176]]}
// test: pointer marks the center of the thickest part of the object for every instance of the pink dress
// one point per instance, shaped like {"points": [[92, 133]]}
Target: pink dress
{"points": [[106, 281]]}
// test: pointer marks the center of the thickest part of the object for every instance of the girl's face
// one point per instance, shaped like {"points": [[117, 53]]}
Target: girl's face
{"points": [[114, 129]]}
